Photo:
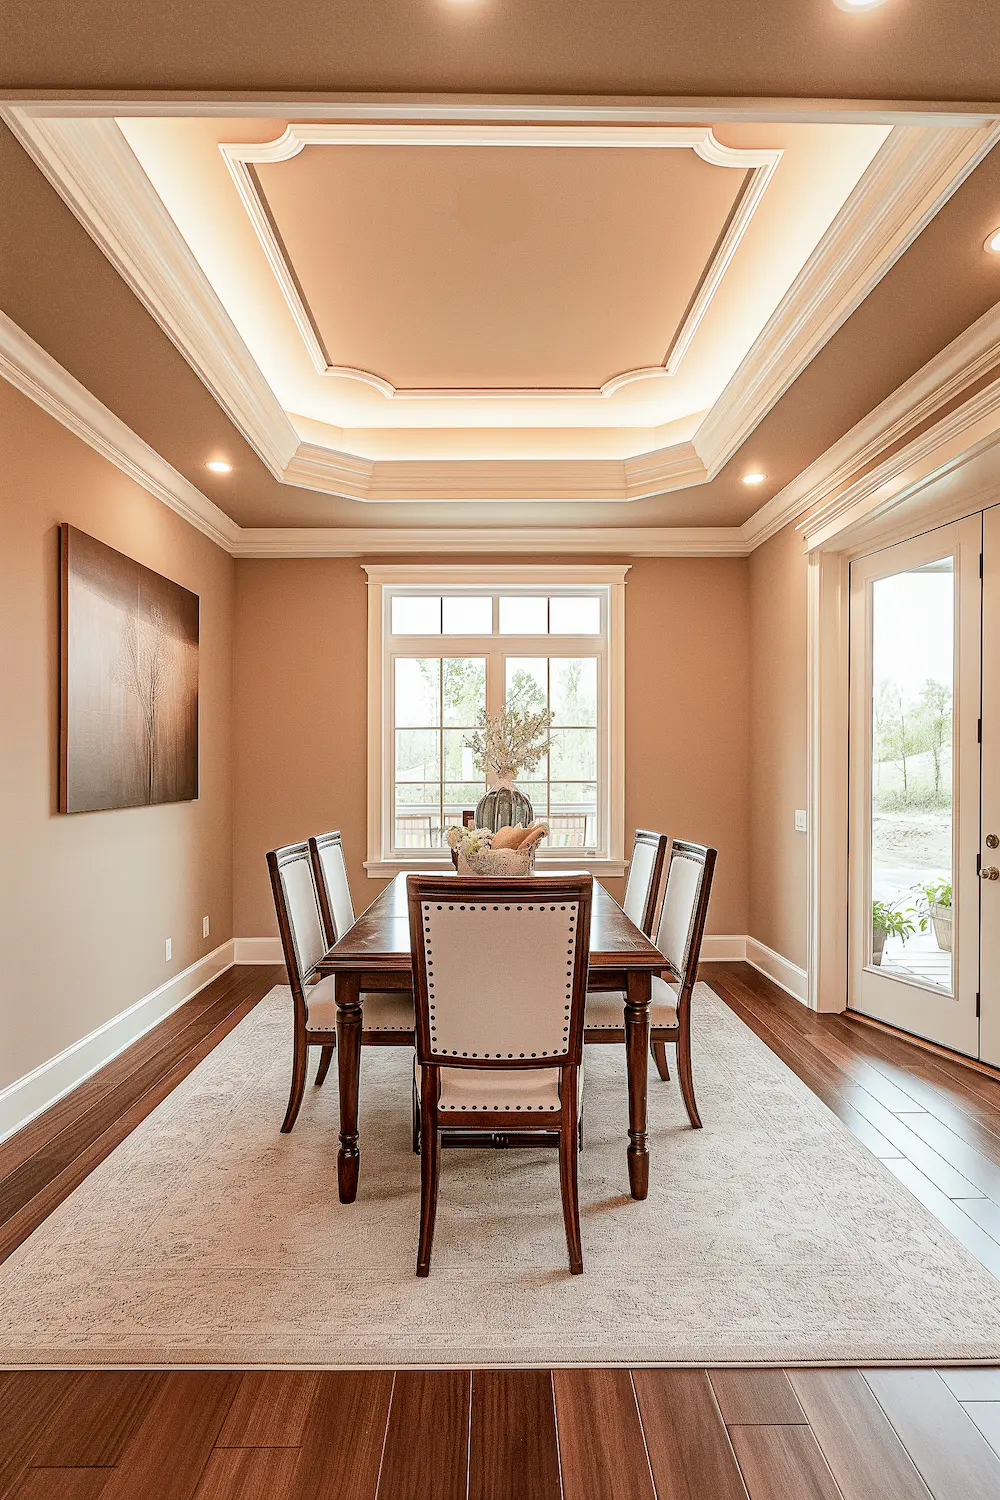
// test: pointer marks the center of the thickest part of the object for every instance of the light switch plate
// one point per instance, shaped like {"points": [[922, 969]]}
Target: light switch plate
{"points": [[205, 927], [800, 820], [168, 949]]}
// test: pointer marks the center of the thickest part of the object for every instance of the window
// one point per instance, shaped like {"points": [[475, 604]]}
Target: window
{"points": [[444, 647]]}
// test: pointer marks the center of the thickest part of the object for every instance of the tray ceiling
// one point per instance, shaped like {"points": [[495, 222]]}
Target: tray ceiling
{"points": [[554, 303]]}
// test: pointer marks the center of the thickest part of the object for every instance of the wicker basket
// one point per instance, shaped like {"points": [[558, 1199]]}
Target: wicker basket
{"points": [[498, 862]]}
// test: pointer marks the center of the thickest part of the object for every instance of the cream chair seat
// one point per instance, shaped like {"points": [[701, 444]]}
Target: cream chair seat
{"points": [[606, 1008], [499, 1089], [384, 1010]]}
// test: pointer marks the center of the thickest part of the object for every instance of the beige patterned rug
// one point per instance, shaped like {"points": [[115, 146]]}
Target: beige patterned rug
{"points": [[771, 1236]]}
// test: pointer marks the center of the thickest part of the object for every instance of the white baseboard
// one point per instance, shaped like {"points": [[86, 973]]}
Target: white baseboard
{"points": [[784, 973], [258, 951], [27, 1097], [723, 947]]}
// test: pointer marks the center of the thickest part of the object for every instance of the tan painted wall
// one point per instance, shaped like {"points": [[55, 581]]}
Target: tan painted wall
{"points": [[778, 724], [301, 684], [87, 900]]}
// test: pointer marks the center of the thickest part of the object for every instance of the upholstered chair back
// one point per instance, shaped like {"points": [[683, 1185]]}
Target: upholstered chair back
{"points": [[296, 903], [644, 873], [330, 869], [685, 904], [500, 969]]}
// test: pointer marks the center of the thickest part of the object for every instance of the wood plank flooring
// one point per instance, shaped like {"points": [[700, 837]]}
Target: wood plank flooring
{"points": [[572, 1434], [502, 1435]]}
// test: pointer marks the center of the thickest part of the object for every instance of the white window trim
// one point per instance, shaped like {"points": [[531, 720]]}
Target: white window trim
{"points": [[459, 575]]}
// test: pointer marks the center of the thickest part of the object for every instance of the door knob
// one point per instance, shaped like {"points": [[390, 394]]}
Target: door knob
{"points": [[992, 841], [990, 872]]}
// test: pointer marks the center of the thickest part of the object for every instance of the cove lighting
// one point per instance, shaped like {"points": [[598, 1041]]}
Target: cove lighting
{"points": [[992, 242], [219, 466], [754, 478]]}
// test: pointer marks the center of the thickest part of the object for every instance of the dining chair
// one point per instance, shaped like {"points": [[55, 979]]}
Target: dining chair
{"points": [[500, 980], [690, 872], [388, 1015], [332, 885], [645, 871]]}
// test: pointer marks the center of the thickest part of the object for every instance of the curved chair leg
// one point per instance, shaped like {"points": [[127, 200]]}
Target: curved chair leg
{"points": [[298, 1081], [415, 1120], [569, 1152], [325, 1059], [430, 1156], [659, 1051], [687, 1077]]}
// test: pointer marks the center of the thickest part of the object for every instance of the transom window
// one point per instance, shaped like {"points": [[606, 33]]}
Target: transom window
{"points": [[448, 649]]}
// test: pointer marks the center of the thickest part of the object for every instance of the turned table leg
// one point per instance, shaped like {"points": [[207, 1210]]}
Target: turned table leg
{"points": [[637, 999], [349, 1074]]}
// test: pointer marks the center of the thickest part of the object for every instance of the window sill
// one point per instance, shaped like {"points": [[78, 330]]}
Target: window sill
{"points": [[385, 869]]}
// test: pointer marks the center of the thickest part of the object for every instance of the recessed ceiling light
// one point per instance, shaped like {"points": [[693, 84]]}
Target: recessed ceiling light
{"points": [[754, 478], [992, 242], [858, 4], [219, 466]]}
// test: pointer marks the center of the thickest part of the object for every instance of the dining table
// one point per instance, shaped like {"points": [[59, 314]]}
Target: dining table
{"points": [[375, 954]]}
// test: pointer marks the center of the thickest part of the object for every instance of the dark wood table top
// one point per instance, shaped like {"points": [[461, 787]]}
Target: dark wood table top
{"points": [[380, 938]]}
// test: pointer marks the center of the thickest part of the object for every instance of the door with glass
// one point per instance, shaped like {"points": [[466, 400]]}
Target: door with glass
{"points": [[916, 656], [989, 849]]}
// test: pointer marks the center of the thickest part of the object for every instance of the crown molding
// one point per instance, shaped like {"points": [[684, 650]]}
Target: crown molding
{"points": [[92, 167], [87, 159], [493, 481], [43, 380], [965, 433], [664, 109], [850, 464], [838, 494], [913, 175], [241, 158], [666, 541]]}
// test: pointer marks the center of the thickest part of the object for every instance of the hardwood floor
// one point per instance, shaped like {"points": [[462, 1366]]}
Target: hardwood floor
{"points": [[500, 1435], [571, 1434]]}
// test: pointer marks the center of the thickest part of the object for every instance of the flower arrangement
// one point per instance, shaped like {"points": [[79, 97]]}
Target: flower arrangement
{"points": [[510, 741], [509, 851]]}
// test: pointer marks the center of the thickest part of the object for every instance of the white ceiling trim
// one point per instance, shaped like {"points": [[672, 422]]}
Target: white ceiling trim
{"points": [[913, 175], [760, 163], [26, 365], [964, 434], [34, 372], [494, 481], [223, 103], [529, 541], [831, 515], [92, 167], [818, 490], [87, 159]]}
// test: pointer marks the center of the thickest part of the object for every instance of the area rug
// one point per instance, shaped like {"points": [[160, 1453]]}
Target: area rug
{"points": [[772, 1236]]}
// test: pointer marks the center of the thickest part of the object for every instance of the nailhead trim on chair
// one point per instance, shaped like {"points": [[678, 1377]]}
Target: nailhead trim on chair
{"points": [[465, 906]]}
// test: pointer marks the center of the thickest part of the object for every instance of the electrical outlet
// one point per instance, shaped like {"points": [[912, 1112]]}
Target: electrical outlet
{"points": [[800, 820], [205, 927], [168, 949]]}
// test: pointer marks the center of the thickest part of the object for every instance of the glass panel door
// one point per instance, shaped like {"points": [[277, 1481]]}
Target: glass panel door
{"points": [[915, 666], [989, 843]]}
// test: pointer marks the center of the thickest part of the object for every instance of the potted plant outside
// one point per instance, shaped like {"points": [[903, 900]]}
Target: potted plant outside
{"points": [[935, 903], [889, 919]]}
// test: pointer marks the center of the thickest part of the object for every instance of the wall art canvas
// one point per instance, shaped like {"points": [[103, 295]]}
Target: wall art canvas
{"points": [[129, 681]]}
